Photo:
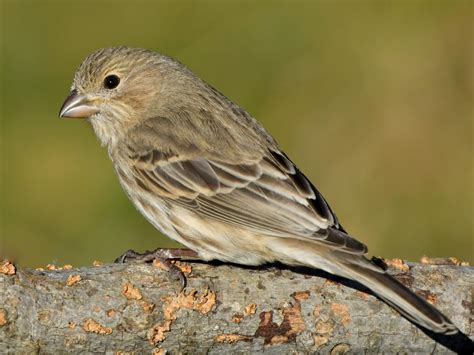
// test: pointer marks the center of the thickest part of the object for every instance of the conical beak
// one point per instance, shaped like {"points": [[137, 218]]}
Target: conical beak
{"points": [[77, 106]]}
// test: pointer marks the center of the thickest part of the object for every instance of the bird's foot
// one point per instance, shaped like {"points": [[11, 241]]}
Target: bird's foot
{"points": [[160, 253], [164, 257]]}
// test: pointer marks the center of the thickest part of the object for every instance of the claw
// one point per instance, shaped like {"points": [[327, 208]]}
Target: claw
{"points": [[176, 272], [164, 256], [129, 254]]}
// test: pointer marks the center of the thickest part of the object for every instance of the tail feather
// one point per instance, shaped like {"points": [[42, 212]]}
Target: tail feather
{"points": [[401, 298]]}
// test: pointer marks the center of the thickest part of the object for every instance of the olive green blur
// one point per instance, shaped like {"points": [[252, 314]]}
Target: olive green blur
{"points": [[372, 100]]}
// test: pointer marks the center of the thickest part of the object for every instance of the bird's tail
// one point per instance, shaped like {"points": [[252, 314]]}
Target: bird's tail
{"points": [[401, 298]]}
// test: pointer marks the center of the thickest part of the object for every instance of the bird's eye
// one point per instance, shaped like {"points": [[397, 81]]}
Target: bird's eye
{"points": [[111, 81]]}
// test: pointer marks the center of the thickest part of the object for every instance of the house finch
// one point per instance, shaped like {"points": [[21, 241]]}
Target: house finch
{"points": [[205, 173]]}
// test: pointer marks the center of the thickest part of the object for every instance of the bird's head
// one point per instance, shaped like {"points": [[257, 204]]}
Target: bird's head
{"points": [[117, 88]]}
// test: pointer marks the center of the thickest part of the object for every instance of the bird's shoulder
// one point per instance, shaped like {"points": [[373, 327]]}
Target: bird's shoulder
{"points": [[202, 133]]}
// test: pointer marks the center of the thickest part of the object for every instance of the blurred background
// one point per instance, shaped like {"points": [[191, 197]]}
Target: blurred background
{"points": [[373, 101]]}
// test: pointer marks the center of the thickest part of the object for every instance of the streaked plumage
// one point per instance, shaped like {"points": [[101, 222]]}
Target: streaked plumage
{"points": [[206, 173]]}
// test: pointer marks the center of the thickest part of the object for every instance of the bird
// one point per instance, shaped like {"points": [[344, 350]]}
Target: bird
{"points": [[206, 173]]}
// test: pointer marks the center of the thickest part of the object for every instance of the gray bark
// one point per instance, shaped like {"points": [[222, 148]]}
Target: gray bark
{"points": [[138, 308]]}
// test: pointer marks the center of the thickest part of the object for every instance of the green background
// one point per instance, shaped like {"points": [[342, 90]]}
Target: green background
{"points": [[373, 101]]}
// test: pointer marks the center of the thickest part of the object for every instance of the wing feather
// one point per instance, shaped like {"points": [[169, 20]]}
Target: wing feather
{"points": [[269, 196]]}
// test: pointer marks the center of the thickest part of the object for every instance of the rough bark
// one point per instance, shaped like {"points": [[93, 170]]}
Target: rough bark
{"points": [[224, 309]]}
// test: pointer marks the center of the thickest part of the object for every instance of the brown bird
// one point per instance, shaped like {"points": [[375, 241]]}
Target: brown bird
{"points": [[205, 173]]}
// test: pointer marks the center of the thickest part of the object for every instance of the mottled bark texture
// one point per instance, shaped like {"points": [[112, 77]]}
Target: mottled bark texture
{"points": [[120, 308]]}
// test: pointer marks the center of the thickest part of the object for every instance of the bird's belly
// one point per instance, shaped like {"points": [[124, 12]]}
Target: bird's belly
{"points": [[213, 239]]}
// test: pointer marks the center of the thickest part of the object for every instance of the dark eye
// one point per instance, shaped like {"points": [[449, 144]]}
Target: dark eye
{"points": [[111, 81]]}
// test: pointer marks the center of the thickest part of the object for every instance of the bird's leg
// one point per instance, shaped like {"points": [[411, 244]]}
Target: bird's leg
{"points": [[159, 253], [164, 256], [176, 253]]}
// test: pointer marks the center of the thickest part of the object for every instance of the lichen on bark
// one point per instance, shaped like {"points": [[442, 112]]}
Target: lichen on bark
{"points": [[225, 308]]}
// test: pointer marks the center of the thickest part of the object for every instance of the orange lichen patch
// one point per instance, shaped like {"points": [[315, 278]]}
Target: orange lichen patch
{"points": [[231, 338], [148, 307], [237, 318], [55, 267], [71, 325], [73, 279], [289, 328], [131, 292], [64, 267], [432, 299], [202, 303], [111, 312], [443, 261], [97, 263], [157, 333], [430, 261], [363, 295], [342, 311], [7, 268], [397, 264], [159, 264], [301, 295], [293, 316], [250, 309], [158, 351], [206, 301], [425, 260], [456, 261], [279, 339], [184, 267], [172, 304], [428, 296], [3, 317], [92, 326], [331, 283]]}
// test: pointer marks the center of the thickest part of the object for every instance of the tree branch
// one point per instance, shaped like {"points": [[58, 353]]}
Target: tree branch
{"points": [[225, 308]]}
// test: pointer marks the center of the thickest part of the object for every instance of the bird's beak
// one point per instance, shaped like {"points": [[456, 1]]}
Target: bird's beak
{"points": [[77, 106]]}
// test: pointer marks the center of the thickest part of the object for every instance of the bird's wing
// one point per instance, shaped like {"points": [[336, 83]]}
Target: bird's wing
{"points": [[269, 195]]}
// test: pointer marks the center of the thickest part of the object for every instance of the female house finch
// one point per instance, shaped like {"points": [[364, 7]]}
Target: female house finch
{"points": [[207, 174]]}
